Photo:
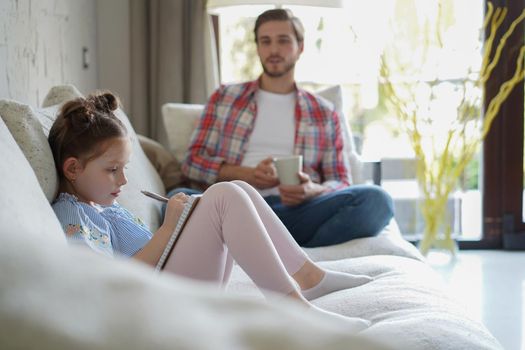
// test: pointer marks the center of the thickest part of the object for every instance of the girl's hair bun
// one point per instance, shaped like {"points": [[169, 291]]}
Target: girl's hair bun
{"points": [[79, 113], [104, 101], [83, 112]]}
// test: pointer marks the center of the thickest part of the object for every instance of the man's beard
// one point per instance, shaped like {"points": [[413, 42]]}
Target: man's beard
{"points": [[277, 74]]}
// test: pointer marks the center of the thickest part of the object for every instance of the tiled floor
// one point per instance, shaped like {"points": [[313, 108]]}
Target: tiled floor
{"points": [[490, 284]]}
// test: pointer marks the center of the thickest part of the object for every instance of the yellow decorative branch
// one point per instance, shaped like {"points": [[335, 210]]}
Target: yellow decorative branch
{"points": [[440, 164]]}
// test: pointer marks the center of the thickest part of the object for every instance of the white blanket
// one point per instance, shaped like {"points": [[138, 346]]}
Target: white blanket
{"points": [[406, 303]]}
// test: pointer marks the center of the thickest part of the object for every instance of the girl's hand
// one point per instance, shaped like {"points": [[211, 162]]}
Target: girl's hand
{"points": [[174, 208], [151, 252]]}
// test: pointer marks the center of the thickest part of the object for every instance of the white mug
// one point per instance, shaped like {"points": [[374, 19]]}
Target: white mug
{"points": [[288, 169]]}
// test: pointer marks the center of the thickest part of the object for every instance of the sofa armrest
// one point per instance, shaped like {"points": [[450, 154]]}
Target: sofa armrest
{"points": [[372, 170]]}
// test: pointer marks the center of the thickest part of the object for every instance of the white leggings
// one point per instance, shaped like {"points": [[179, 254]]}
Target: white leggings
{"points": [[232, 221]]}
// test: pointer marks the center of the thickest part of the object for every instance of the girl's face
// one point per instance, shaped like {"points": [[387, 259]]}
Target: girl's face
{"points": [[101, 179]]}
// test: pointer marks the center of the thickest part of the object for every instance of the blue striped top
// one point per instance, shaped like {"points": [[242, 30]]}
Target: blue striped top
{"points": [[110, 230]]}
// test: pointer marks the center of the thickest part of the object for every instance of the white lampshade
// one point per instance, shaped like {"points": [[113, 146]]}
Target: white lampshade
{"points": [[217, 5]]}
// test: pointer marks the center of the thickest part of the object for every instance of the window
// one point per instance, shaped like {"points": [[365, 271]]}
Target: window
{"points": [[344, 46]]}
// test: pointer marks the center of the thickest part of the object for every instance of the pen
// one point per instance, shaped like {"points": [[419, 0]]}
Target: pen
{"points": [[155, 196]]}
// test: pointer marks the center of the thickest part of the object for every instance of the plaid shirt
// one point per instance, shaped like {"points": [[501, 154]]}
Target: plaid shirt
{"points": [[227, 122]]}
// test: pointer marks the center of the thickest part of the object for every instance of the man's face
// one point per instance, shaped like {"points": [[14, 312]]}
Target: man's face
{"points": [[278, 48]]}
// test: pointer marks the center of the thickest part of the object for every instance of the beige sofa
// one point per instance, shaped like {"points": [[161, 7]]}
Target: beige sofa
{"points": [[53, 296]]}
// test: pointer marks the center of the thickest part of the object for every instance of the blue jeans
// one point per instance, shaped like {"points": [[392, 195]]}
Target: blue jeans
{"points": [[354, 212]]}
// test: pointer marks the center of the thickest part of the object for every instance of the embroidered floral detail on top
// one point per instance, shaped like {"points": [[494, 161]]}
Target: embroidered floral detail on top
{"points": [[71, 229], [139, 221], [92, 235]]}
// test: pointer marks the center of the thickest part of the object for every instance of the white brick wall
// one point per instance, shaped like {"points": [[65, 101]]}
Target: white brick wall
{"points": [[41, 45]]}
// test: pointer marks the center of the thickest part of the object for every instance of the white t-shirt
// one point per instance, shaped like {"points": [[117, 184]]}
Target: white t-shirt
{"points": [[274, 130]]}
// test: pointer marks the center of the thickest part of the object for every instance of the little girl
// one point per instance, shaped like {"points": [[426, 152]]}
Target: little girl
{"points": [[232, 221]]}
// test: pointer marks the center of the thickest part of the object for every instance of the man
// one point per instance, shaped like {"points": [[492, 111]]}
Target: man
{"points": [[244, 126]]}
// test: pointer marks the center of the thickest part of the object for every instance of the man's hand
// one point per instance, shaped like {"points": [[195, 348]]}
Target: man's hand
{"points": [[265, 174], [297, 194]]}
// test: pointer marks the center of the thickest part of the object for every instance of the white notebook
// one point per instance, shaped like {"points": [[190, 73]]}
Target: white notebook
{"points": [[183, 219]]}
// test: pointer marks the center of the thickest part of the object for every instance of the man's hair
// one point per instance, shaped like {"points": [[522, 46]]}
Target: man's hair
{"points": [[280, 15]]}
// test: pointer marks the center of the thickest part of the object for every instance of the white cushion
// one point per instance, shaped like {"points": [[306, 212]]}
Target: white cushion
{"points": [[334, 95], [388, 242], [180, 120], [59, 94], [25, 127], [30, 128], [24, 209], [141, 176]]}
